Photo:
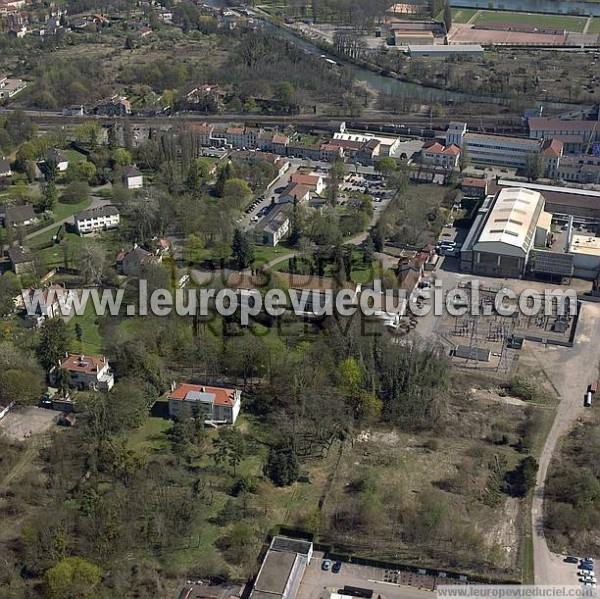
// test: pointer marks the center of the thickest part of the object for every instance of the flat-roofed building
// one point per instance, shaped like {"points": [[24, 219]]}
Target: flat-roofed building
{"points": [[586, 256], [434, 50], [506, 234], [544, 127], [282, 569]]}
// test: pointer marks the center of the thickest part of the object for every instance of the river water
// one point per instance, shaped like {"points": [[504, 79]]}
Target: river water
{"points": [[390, 85]]}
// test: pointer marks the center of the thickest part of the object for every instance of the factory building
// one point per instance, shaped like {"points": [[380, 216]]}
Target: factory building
{"points": [[504, 232]]}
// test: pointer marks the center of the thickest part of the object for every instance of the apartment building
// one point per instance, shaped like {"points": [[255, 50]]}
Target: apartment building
{"points": [[97, 219]]}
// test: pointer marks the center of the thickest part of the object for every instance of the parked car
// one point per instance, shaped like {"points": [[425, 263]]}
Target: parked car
{"points": [[571, 560], [325, 565], [337, 566]]}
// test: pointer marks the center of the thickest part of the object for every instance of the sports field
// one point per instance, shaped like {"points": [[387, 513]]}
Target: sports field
{"points": [[570, 23]]}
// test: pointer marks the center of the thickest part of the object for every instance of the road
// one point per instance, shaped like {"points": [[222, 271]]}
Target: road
{"points": [[570, 370], [95, 203]]}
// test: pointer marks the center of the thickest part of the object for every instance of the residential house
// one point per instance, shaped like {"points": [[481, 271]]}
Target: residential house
{"points": [[276, 227], [330, 153], [19, 216], [86, 372], [242, 137], [51, 302], [57, 158], [313, 182], [436, 154], [294, 193], [206, 98], [304, 151], [268, 141], [144, 31], [204, 132], [131, 263], [132, 178], [5, 170], [21, 259], [411, 270], [220, 405], [93, 220], [474, 188], [113, 106]]}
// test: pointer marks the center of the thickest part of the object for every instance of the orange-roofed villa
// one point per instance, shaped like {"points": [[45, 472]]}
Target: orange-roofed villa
{"points": [[221, 405]]}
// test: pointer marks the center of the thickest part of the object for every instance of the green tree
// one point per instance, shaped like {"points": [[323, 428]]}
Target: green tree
{"points": [[193, 249], [121, 157], [387, 165], [282, 466], [72, 578], [50, 196], [236, 193], [230, 447], [243, 250], [75, 192], [465, 158], [534, 166], [9, 289], [447, 16], [25, 154], [53, 344]]}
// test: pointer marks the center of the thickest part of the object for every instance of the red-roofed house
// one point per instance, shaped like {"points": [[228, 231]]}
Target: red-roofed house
{"points": [[220, 405], [87, 372], [437, 154], [312, 182], [474, 187]]}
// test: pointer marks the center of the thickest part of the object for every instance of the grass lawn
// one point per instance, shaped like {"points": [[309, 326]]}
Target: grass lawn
{"points": [[594, 26], [91, 341], [462, 15], [151, 435], [74, 155], [570, 23], [265, 253]]}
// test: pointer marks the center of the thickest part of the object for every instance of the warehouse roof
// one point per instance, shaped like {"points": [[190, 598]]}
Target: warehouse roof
{"points": [[513, 217]]}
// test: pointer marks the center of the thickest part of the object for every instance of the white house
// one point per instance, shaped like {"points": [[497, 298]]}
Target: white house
{"points": [[86, 372], [313, 182], [52, 302], [132, 178], [220, 405], [277, 226], [96, 219], [58, 158]]}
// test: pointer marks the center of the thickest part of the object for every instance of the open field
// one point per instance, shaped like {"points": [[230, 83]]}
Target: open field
{"points": [[570, 23], [594, 26], [463, 15]]}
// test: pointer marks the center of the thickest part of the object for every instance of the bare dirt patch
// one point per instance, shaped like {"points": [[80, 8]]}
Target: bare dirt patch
{"points": [[21, 423]]}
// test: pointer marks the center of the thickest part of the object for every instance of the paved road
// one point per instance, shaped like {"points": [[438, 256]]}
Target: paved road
{"points": [[95, 203], [570, 371]]}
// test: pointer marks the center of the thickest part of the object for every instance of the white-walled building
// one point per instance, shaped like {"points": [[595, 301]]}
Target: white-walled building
{"points": [[220, 405], [132, 178], [87, 372], [101, 218], [505, 232]]}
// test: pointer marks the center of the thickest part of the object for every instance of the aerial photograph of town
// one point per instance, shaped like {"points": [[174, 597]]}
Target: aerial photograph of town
{"points": [[299, 299]]}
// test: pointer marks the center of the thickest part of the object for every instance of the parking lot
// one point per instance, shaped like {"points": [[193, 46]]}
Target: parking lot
{"points": [[319, 584]]}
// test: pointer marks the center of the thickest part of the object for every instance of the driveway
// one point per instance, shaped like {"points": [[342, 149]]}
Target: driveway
{"points": [[96, 202], [570, 370]]}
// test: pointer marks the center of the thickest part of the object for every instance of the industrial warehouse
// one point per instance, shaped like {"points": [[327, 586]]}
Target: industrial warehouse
{"points": [[534, 231]]}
